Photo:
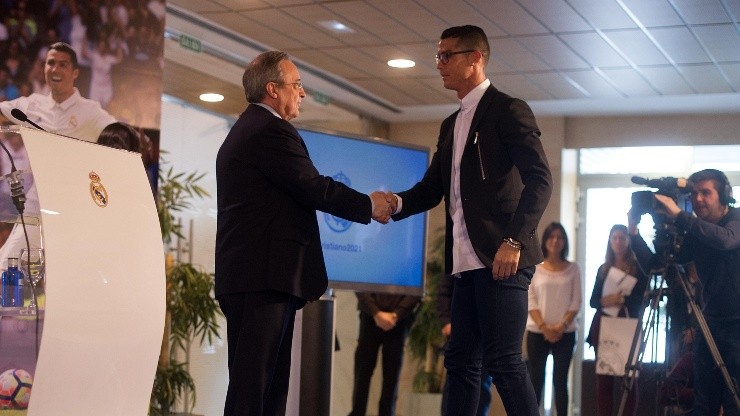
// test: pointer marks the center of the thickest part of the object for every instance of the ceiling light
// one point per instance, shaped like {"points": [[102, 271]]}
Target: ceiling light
{"points": [[336, 26], [211, 97], [401, 63]]}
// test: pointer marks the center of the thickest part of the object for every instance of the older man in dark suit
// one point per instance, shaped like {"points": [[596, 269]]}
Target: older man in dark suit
{"points": [[268, 252], [491, 170]]}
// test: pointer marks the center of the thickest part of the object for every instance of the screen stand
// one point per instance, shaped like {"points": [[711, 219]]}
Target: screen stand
{"points": [[317, 356]]}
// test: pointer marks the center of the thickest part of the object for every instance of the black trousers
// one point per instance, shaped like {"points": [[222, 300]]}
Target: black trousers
{"points": [[369, 342], [538, 348], [259, 332]]}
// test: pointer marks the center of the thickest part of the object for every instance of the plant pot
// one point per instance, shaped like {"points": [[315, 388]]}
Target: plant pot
{"points": [[423, 404]]}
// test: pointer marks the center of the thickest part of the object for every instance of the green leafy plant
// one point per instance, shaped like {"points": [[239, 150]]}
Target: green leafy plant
{"points": [[191, 310], [175, 193], [425, 336]]}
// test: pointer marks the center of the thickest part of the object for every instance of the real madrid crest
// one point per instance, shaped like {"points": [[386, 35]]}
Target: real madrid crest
{"points": [[97, 191]]}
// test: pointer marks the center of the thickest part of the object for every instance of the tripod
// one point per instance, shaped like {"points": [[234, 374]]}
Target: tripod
{"points": [[702, 322], [651, 298], [675, 274]]}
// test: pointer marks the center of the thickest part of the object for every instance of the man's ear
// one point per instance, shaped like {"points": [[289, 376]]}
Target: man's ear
{"points": [[75, 73], [271, 90]]}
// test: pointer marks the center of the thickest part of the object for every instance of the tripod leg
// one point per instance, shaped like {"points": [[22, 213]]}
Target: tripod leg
{"points": [[709, 349], [637, 349]]}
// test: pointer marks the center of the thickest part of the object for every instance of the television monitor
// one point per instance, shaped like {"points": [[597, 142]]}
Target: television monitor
{"points": [[380, 258]]}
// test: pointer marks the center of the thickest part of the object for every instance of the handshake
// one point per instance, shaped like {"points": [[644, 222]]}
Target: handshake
{"points": [[384, 205]]}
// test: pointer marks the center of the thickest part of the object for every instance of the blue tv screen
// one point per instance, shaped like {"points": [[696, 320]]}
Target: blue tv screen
{"points": [[375, 257]]}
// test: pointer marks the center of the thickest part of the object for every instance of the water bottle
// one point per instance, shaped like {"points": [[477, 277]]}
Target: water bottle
{"points": [[12, 281]]}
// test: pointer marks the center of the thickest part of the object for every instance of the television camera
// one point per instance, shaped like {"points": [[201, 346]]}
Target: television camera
{"points": [[668, 237]]}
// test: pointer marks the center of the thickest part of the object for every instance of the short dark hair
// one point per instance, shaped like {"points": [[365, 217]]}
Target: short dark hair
{"points": [[66, 48], [120, 136], [470, 37], [263, 69], [548, 232], [721, 183]]}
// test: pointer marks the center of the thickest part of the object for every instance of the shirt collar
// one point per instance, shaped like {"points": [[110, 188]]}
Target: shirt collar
{"points": [[69, 101], [268, 108], [470, 101]]}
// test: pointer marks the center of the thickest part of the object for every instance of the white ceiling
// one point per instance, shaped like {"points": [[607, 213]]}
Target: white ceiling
{"points": [[565, 57]]}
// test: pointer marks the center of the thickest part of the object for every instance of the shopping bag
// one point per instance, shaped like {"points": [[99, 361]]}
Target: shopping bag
{"points": [[615, 342]]}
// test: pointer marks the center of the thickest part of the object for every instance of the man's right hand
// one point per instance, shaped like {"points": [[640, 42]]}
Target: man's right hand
{"points": [[385, 320], [381, 207], [669, 205]]}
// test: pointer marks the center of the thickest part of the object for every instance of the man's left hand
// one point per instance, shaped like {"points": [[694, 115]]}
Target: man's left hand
{"points": [[505, 263]]}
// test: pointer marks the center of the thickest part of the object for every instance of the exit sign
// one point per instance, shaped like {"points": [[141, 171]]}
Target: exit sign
{"points": [[190, 43], [320, 97]]}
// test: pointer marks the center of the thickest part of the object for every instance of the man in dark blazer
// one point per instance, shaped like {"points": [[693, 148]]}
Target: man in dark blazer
{"points": [[269, 261], [491, 170]]}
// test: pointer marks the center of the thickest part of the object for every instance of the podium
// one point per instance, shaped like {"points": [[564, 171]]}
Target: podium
{"points": [[100, 311]]}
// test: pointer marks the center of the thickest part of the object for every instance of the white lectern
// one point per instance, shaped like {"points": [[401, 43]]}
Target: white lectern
{"points": [[104, 309]]}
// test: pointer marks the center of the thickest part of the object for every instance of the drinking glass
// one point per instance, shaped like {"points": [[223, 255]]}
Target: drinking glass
{"points": [[35, 272]]}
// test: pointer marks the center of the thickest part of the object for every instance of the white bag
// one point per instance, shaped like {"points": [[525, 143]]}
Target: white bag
{"points": [[615, 342]]}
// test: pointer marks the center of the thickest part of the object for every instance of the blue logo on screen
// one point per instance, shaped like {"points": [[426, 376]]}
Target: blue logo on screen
{"points": [[337, 224]]}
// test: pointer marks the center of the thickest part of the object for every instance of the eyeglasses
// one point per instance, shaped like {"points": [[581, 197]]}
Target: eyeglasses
{"points": [[444, 57], [298, 84]]}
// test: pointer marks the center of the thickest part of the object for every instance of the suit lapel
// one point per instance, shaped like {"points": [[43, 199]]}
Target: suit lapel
{"points": [[481, 110], [446, 143]]}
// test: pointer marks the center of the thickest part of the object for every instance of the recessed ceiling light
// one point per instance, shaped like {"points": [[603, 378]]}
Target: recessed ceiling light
{"points": [[401, 63], [211, 97], [336, 26]]}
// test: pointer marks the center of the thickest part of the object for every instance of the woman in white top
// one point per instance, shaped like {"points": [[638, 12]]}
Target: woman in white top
{"points": [[554, 301]]}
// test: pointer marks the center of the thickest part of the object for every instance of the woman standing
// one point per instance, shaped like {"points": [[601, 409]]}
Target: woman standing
{"points": [[619, 254], [554, 301]]}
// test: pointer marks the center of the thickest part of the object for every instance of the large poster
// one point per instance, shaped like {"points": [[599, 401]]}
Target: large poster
{"points": [[119, 46]]}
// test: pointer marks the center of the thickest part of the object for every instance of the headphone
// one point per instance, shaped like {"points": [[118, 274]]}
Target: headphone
{"points": [[723, 184]]}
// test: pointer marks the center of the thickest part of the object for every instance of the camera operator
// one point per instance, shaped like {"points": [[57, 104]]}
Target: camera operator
{"points": [[712, 242]]}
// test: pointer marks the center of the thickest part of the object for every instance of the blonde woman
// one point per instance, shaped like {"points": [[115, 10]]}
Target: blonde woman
{"points": [[619, 254]]}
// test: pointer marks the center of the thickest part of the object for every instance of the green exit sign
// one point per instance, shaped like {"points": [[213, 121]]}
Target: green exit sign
{"points": [[190, 43], [320, 97]]}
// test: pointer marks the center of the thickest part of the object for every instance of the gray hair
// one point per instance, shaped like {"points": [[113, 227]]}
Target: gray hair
{"points": [[263, 69]]}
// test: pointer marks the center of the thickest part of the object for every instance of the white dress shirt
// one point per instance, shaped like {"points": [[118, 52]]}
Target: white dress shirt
{"points": [[463, 254]]}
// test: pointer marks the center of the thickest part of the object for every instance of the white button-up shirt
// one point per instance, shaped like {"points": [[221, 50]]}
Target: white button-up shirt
{"points": [[463, 254]]}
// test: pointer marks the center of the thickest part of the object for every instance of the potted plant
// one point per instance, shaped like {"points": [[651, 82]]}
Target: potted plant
{"points": [[192, 311], [425, 339]]}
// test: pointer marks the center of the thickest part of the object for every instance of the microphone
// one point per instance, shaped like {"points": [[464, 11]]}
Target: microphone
{"points": [[666, 183], [20, 115], [15, 181]]}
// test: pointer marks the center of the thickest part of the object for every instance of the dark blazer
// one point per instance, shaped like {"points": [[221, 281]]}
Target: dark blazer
{"points": [[267, 235], [505, 180]]}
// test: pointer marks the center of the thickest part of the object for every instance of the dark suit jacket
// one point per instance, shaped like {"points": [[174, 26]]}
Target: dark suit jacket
{"points": [[267, 236], [505, 181]]}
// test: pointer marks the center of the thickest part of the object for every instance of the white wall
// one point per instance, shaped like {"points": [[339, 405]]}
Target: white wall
{"points": [[191, 139]]}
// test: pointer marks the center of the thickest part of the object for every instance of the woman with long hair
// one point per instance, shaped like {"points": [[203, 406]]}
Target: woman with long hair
{"points": [[554, 301], [619, 254]]}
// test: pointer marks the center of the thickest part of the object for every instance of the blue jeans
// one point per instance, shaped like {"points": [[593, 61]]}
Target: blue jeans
{"points": [[484, 401], [710, 389], [488, 318]]}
